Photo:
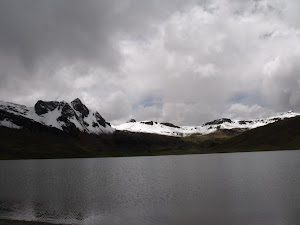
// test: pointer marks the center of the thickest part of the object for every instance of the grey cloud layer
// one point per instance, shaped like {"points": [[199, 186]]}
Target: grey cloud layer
{"points": [[184, 62]]}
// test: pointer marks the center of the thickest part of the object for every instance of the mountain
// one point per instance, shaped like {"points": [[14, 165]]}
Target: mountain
{"points": [[207, 128], [282, 135], [60, 130], [54, 116], [28, 144]]}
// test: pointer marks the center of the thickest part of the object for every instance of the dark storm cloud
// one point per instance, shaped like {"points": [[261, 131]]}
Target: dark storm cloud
{"points": [[45, 41], [72, 29], [69, 30]]}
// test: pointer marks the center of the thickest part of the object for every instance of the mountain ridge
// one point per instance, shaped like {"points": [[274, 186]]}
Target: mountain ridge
{"points": [[70, 117], [281, 135], [76, 117], [207, 128]]}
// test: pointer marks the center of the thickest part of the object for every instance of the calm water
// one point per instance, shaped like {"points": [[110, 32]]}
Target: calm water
{"points": [[240, 188]]}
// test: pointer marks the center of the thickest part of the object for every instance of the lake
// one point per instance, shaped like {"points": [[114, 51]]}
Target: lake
{"points": [[239, 188]]}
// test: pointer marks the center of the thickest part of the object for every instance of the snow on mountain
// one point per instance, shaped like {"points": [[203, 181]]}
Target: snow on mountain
{"points": [[74, 116], [62, 115], [9, 124], [210, 127]]}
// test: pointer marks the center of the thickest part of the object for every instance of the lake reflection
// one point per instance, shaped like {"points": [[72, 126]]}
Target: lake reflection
{"points": [[240, 188]]}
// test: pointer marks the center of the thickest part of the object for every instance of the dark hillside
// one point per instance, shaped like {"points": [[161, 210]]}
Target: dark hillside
{"points": [[43, 143], [26, 144], [281, 135]]}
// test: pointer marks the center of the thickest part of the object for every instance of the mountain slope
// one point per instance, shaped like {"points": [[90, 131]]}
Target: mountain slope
{"points": [[282, 135], [68, 117], [28, 144], [207, 128]]}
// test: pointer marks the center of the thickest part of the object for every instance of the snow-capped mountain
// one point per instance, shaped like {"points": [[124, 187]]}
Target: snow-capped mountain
{"points": [[210, 127], [75, 116], [68, 117]]}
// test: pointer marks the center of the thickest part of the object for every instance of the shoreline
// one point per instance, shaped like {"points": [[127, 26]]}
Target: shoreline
{"points": [[151, 155], [23, 222]]}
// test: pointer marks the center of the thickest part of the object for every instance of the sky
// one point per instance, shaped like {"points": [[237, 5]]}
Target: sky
{"points": [[180, 61]]}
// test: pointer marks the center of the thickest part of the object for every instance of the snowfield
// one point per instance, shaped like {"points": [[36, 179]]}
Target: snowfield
{"points": [[210, 127], [9, 124]]}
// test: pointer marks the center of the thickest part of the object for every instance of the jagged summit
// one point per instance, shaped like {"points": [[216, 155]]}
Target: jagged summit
{"points": [[80, 107], [77, 100], [42, 107], [70, 117]]}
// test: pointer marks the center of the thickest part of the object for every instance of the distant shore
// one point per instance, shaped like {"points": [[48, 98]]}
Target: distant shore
{"points": [[21, 222]]}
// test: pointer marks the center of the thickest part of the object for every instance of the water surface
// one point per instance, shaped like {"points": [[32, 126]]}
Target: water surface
{"points": [[240, 188]]}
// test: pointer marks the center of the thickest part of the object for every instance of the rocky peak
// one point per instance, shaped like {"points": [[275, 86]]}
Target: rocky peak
{"points": [[42, 107], [244, 122], [66, 110], [219, 121], [80, 107], [64, 116], [100, 119], [148, 123], [170, 125]]}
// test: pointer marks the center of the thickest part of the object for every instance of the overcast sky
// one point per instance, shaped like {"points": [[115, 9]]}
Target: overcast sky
{"points": [[180, 61]]}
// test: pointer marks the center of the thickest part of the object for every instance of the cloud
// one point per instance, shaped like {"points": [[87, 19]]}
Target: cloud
{"points": [[48, 48], [202, 57], [184, 62], [116, 107], [71, 30], [57, 31], [148, 113], [281, 86], [241, 111]]}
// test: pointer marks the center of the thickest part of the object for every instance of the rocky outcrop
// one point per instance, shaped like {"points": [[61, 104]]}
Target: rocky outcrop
{"points": [[67, 113], [100, 119], [80, 107], [244, 122], [219, 121], [170, 125], [148, 123], [42, 107]]}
